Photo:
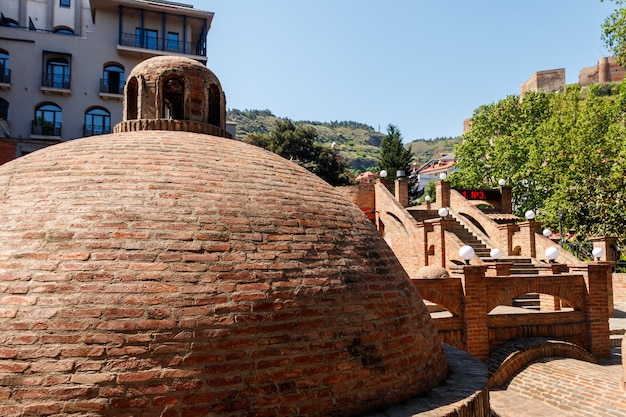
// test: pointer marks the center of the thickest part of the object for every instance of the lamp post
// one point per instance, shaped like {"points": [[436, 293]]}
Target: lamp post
{"points": [[551, 254], [597, 253], [466, 253]]}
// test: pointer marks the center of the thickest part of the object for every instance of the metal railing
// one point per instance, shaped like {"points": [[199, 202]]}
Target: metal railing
{"points": [[162, 44], [55, 81], [46, 128], [94, 130], [5, 76], [111, 88], [582, 250]]}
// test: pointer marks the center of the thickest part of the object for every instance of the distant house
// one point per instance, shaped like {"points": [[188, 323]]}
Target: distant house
{"points": [[432, 169]]}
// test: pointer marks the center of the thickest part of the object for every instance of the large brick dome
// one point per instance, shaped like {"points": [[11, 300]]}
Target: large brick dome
{"points": [[170, 273]]}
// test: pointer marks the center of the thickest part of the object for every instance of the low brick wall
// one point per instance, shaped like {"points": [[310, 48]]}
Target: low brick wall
{"points": [[619, 288]]}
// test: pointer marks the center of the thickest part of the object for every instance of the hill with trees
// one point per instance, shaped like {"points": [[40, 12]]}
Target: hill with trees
{"points": [[358, 143]]}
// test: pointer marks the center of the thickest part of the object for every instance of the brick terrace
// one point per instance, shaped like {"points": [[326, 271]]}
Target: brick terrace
{"points": [[566, 387]]}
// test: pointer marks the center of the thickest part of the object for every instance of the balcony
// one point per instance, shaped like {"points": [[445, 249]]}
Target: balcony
{"points": [[160, 45], [55, 84], [94, 130], [5, 79], [40, 128], [111, 90]]}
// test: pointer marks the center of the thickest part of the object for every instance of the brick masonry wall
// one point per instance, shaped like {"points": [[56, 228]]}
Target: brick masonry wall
{"points": [[363, 196], [619, 288]]}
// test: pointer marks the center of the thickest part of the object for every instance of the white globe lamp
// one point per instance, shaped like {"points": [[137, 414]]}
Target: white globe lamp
{"points": [[495, 253], [597, 253], [529, 214], [443, 212], [552, 253], [466, 253]]}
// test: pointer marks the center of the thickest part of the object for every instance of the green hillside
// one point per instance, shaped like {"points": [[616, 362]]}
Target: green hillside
{"points": [[359, 143]]}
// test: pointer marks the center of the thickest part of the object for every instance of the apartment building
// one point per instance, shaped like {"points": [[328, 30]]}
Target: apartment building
{"points": [[63, 63]]}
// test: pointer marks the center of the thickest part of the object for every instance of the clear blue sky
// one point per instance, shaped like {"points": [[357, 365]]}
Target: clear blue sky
{"points": [[422, 65]]}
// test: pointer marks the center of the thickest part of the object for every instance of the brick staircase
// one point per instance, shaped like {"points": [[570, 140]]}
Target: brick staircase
{"points": [[521, 265], [468, 238]]}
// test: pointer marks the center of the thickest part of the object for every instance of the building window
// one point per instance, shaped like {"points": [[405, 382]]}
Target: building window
{"points": [[112, 80], [57, 73], [146, 38], [4, 109], [47, 120], [5, 72], [63, 30], [8, 22], [97, 122], [65, 3], [172, 42]]}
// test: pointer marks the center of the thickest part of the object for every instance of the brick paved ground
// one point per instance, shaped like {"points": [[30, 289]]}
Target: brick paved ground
{"points": [[566, 387]]}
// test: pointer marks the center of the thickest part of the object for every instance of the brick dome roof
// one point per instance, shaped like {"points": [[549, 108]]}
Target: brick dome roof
{"points": [[175, 273]]}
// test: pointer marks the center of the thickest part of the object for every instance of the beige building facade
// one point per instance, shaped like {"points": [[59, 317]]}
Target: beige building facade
{"points": [[64, 63]]}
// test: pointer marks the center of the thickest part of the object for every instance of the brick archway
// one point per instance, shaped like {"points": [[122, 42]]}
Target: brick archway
{"points": [[509, 359]]}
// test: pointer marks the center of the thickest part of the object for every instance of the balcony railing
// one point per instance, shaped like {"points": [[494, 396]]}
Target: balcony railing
{"points": [[93, 130], [5, 76], [46, 128], [111, 88], [162, 44], [55, 81]]}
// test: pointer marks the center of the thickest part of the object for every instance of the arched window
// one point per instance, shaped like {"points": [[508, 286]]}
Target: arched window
{"points": [[112, 79], [8, 22], [4, 109], [57, 73], [47, 120], [214, 105], [132, 92], [5, 72], [63, 30], [97, 122], [174, 98]]}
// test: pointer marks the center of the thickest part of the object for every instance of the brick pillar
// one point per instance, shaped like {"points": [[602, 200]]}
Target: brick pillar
{"points": [[475, 311], [506, 199], [527, 232], [607, 243], [597, 312], [428, 230], [402, 191], [438, 239], [506, 237], [442, 192]]}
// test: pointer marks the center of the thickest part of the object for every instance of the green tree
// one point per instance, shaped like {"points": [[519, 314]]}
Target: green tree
{"points": [[614, 32], [563, 154], [393, 155], [298, 144]]}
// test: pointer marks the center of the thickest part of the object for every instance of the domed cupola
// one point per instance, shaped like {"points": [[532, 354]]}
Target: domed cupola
{"points": [[173, 93]]}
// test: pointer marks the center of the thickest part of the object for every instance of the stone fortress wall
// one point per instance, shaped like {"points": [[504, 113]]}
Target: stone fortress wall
{"points": [[606, 70]]}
